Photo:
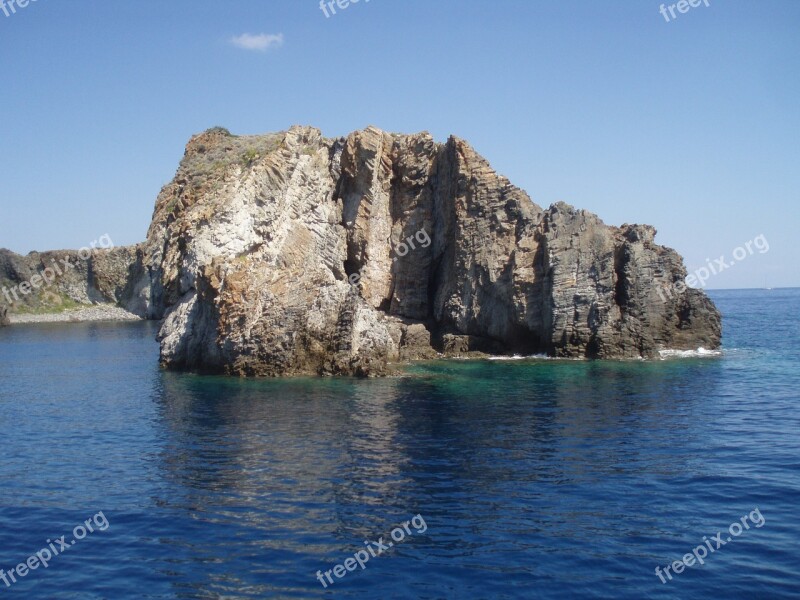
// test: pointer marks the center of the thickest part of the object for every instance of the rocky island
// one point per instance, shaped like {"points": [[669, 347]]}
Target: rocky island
{"points": [[292, 253]]}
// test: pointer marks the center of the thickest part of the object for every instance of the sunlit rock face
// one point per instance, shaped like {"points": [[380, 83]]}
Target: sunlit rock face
{"points": [[291, 253]]}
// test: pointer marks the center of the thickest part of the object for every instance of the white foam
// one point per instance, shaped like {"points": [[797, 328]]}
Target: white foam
{"points": [[699, 353], [537, 357]]}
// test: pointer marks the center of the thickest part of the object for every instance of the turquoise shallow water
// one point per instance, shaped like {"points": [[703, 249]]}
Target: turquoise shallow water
{"points": [[535, 479]]}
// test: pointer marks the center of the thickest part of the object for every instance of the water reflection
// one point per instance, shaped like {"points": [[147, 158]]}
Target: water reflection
{"points": [[294, 471], [523, 473]]}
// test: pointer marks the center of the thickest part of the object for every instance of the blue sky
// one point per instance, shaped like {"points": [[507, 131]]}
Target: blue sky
{"points": [[691, 125]]}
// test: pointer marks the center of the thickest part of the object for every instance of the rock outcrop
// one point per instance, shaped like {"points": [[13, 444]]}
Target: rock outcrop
{"points": [[291, 253], [52, 281]]}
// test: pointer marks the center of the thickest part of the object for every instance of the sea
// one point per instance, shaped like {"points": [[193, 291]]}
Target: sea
{"points": [[516, 478]]}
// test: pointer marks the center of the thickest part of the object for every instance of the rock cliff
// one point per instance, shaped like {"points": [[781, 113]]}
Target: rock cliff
{"points": [[51, 281], [291, 253]]}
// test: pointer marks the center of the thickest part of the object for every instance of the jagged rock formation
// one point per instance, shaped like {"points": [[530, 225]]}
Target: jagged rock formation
{"points": [[290, 253], [50, 281]]}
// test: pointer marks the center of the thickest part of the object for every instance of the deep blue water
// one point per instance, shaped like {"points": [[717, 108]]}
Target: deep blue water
{"points": [[535, 479]]}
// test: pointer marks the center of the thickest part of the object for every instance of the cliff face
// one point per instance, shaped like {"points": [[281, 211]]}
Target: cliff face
{"points": [[291, 253], [50, 281]]}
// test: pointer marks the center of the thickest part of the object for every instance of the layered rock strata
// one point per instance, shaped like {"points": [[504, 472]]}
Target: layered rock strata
{"points": [[292, 253]]}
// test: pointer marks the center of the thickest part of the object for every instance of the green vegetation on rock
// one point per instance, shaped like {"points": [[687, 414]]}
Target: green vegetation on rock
{"points": [[211, 160]]}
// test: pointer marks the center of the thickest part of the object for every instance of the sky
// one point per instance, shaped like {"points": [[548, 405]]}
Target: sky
{"points": [[690, 124]]}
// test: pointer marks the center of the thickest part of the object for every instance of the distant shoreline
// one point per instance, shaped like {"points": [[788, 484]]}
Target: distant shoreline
{"points": [[755, 289], [80, 315]]}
